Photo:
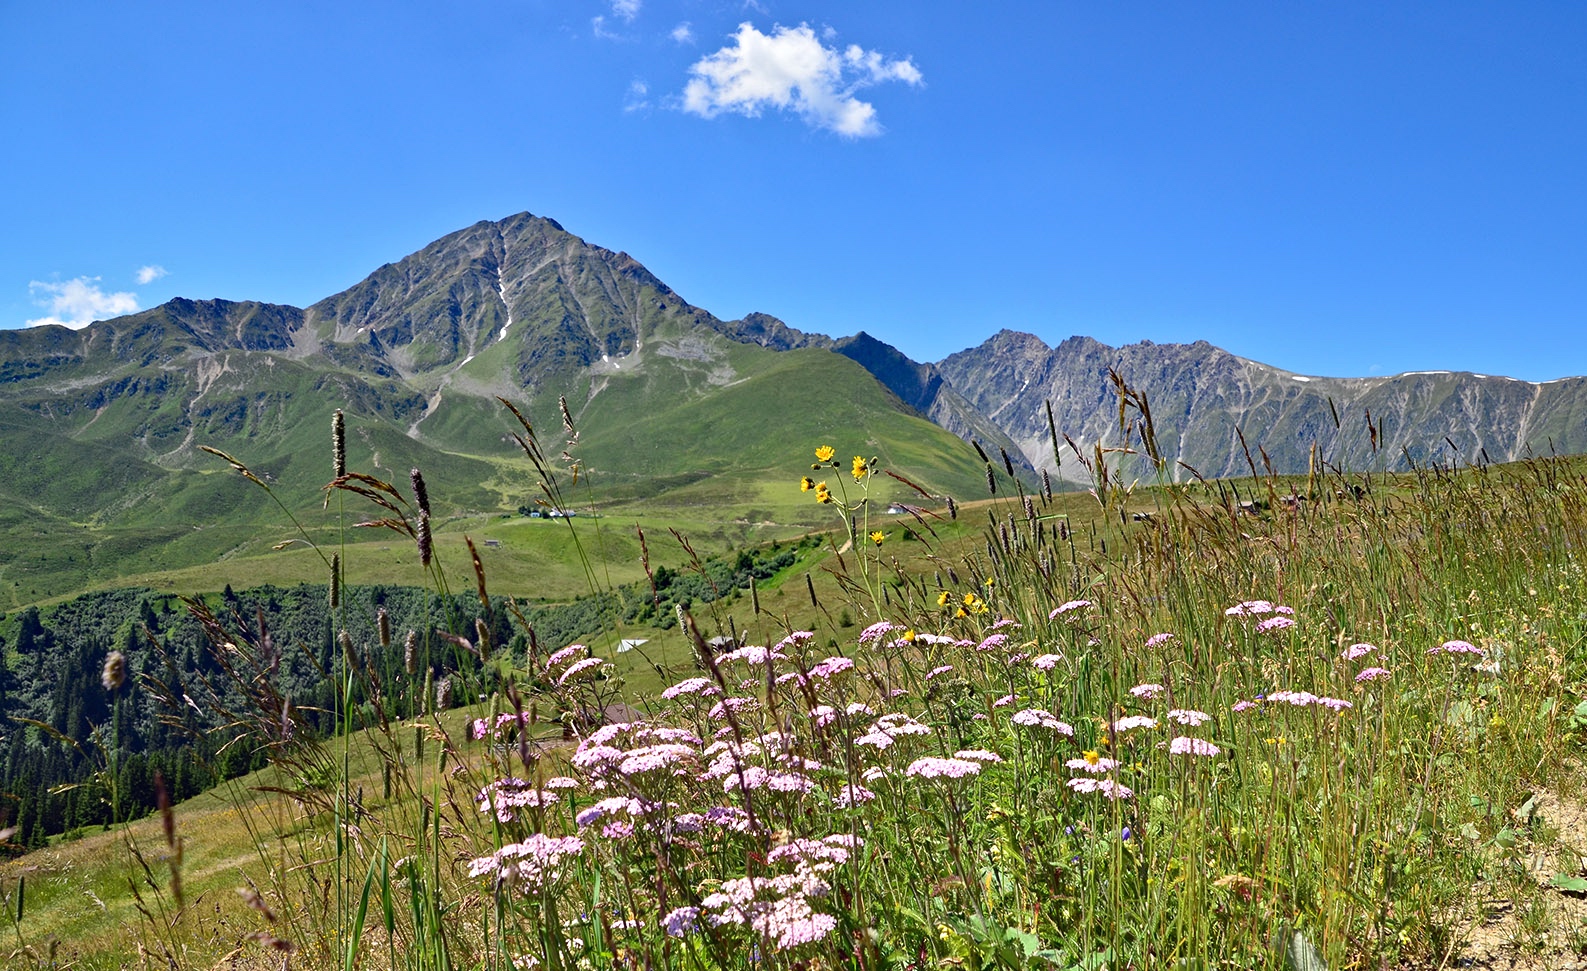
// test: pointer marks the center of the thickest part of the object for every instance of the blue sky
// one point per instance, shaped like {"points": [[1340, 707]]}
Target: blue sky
{"points": [[1342, 189]]}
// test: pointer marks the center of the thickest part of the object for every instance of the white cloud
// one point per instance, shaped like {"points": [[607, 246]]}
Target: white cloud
{"points": [[78, 303], [598, 25], [637, 98], [790, 69], [683, 33], [627, 9], [148, 274]]}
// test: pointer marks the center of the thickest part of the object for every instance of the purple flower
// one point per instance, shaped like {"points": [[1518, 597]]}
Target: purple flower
{"points": [[875, 631], [933, 767], [1357, 651], [1189, 716], [1250, 608], [1133, 721], [1046, 662], [1239, 706], [1458, 647], [1147, 691], [1157, 640], [978, 754], [1041, 718], [1371, 674], [1192, 746], [1093, 763], [507, 796], [1107, 787], [1068, 608], [729, 817], [574, 670], [721, 708], [653, 757], [533, 863], [572, 650], [752, 655], [692, 686], [681, 921], [830, 668], [1274, 624], [852, 795]]}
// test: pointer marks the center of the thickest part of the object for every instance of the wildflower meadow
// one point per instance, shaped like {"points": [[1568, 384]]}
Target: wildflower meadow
{"points": [[1197, 727]]}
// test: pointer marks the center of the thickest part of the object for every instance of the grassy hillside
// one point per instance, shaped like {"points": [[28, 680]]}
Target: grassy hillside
{"points": [[1368, 783]]}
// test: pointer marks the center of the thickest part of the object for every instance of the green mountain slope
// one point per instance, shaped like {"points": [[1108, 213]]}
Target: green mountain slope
{"points": [[679, 412]]}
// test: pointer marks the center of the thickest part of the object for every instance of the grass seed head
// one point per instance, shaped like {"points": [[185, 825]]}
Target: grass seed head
{"points": [[339, 444]]}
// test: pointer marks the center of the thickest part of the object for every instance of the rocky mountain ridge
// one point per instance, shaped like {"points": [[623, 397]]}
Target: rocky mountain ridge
{"points": [[522, 308], [1203, 398]]}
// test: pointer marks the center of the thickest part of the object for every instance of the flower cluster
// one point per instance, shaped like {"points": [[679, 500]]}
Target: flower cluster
{"points": [[507, 796], [1457, 647], [530, 865]]}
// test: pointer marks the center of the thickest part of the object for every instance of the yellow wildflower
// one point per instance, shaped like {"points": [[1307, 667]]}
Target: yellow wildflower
{"points": [[825, 453], [960, 613], [823, 494], [877, 537], [909, 636], [1092, 756], [970, 600], [943, 598], [861, 467], [806, 484]]}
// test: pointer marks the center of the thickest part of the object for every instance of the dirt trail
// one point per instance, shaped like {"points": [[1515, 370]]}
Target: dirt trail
{"points": [[1551, 934]]}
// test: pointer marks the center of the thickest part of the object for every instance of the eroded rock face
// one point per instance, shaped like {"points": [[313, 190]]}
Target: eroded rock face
{"points": [[1203, 398]]}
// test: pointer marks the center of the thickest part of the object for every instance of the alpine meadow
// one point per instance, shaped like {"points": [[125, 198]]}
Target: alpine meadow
{"points": [[506, 610]]}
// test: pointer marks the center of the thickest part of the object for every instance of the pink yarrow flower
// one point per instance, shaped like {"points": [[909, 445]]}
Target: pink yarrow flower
{"points": [[1129, 722], [531, 864], [830, 668], [1041, 718], [1109, 788], [1357, 651], [876, 631], [1189, 716], [1158, 640], [1046, 662], [574, 670], [978, 754], [1458, 647], [1273, 625], [567, 653], [752, 655], [1371, 674], [1147, 691], [933, 767], [1070, 607], [1192, 746], [1100, 765]]}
